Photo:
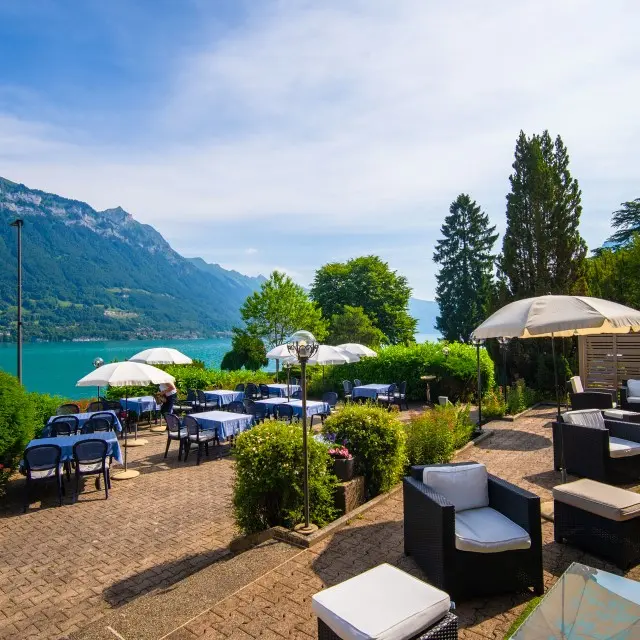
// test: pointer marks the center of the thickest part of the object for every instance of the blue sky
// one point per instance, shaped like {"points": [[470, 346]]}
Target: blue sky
{"points": [[289, 133]]}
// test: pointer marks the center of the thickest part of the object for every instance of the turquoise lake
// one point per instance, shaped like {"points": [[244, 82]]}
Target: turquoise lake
{"points": [[54, 367]]}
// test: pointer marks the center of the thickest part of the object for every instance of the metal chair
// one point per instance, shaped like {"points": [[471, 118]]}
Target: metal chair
{"points": [[198, 436], [41, 463], [64, 426], [348, 388], [175, 431], [90, 458], [237, 406], [67, 409], [265, 394]]}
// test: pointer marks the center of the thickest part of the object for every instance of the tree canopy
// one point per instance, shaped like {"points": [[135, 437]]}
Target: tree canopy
{"points": [[247, 351], [369, 283], [466, 269], [627, 221], [354, 325]]}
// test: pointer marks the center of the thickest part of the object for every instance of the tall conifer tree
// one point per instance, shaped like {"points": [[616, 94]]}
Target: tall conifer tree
{"points": [[464, 280], [542, 250]]}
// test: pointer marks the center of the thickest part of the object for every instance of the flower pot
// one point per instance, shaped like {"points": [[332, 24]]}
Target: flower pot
{"points": [[343, 469]]}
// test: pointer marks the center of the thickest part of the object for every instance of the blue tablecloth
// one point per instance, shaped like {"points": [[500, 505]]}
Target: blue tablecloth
{"points": [[224, 422], [369, 390], [280, 390], [67, 442], [271, 403], [143, 404], [82, 418], [313, 406], [223, 396]]}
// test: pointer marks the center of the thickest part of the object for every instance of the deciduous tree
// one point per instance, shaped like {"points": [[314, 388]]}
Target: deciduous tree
{"points": [[354, 325]]}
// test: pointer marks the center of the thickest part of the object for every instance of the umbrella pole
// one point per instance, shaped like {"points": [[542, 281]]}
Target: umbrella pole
{"points": [[277, 370], [555, 374], [288, 383], [127, 474]]}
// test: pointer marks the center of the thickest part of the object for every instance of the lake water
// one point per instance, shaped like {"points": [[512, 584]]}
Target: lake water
{"points": [[54, 367]]}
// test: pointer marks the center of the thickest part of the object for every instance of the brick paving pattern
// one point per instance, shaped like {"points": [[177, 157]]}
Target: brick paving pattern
{"points": [[61, 568]]}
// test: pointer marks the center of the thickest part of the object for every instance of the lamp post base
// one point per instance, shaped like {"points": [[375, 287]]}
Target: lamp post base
{"points": [[136, 442], [304, 530], [129, 474]]}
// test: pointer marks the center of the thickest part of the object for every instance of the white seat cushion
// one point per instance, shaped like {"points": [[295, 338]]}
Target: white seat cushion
{"points": [[633, 399], [620, 448], [204, 436], [465, 486], [633, 388], [585, 417], [576, 384], [384, 603], [91, 467], [488, 531], [41, 474], [620, 414], [604, 500]]}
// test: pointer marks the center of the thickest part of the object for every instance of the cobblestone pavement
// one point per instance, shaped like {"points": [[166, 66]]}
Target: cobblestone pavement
{"points": [[61, 568], [278, 604]]}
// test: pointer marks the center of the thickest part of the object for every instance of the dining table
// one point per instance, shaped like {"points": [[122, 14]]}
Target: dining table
{"points": [[66, 444], [223, 397], [225, 423], [370, 391], [279, 390]]}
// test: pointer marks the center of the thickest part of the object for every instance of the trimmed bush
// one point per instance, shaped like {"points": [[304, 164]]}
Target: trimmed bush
{"points": [[519, 397], [434, 436], [455, 370], [493, 404], [17, 424], [269, 475], [44, 406], [376, 438]]}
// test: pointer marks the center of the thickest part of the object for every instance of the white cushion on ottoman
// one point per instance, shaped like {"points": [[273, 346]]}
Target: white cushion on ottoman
{"points": [[466, 486], [633, 388], [384, 603]]}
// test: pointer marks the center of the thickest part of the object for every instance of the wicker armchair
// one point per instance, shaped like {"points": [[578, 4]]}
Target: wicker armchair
{"points": [[600, 449], [430, 538]]}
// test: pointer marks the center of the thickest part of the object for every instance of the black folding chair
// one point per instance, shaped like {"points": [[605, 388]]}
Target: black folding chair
{"points": [[64, 426], [42, 463], [67, 409], [90, 459]]}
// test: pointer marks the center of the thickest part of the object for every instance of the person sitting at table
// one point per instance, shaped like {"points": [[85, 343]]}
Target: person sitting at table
{"points": [[169, 391]]}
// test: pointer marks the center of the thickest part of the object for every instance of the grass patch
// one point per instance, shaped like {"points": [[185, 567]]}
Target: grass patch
{"points": [[531, 605]]}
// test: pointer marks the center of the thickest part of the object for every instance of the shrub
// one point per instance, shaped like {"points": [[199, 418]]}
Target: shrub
{"points": [[44, 406], [455, 370], [519, 397], [434, 436], [376, 439], [17, 424], [493, 404], [269, 475]]}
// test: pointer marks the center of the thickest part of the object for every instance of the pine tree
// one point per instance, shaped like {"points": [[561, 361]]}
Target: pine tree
{"points": [[627, 221], [542, 250], [466, 272]]}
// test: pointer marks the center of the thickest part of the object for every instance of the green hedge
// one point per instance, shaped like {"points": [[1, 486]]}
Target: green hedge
{"points": [[376, 438], [44, 406], [456, 372], [268, 484]]}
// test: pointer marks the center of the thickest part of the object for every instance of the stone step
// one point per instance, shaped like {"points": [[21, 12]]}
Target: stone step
{"points": [[157, 614]]}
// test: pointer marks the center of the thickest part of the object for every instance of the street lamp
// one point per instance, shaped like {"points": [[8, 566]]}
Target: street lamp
{"points": [[303, 346], [504, 344], [97, 363], [18, 224], [477, 343]]}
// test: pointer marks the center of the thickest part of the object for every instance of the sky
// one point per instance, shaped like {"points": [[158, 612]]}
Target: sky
{"points": [[264, 134]]}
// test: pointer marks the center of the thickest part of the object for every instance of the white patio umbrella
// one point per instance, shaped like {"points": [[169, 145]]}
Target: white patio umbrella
{"points": [[125, 374], [327, 354], [358, 349], [161, 355]]}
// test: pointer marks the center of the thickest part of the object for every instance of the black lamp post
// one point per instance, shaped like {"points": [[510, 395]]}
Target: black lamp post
{"points": [[18, 225], [504, 344], [303, 346], [477, 343], [97, 363]]}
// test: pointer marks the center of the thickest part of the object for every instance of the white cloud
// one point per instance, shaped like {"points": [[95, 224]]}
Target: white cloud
{"points": [[250, 251], [366, 115]]}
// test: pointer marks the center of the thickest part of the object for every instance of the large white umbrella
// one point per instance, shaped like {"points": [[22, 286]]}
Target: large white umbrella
{"points": [[125, 374], [161, 355], [358, 349], [326, 354]]}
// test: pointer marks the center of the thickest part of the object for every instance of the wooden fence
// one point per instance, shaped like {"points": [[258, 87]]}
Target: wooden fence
{"points": [[606, 360]]}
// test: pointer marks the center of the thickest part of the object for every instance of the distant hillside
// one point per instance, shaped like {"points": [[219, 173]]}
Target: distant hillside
{"points": [[101, 274], [425, 312]]}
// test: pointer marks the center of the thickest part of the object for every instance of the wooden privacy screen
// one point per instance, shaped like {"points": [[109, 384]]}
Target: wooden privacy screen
{"points": [[608, 359]]}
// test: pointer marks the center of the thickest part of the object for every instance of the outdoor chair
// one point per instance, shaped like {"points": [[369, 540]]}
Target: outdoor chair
{"points": [[594, 447], [591, 398], [297, 394], [181, 405], [630, 395], [237, 406], [258, 411], [175, 431], [198, 436], [348, 388], [192, 400], [96, 425], [248, 405], [240, 387], [252, 392], [387, 398], [90, 459], [283, 412], [97, 405], [265, 394], [41, 463], [331, 398], [64, 426], [471, 533], [357, 383], [67, 409], [203, 403], [109, 417]]}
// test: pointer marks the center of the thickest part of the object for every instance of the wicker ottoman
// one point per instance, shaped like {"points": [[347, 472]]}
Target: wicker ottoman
{"points": [[622, 414], [387, 604], [599, 518]]}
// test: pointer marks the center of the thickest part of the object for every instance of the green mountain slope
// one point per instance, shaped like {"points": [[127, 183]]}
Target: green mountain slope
{"points": [[101, 274]]}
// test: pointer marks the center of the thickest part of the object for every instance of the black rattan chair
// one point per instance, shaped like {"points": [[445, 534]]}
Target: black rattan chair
{"points": [[283, 412], [67, 409], [429, 537], [90, 459], [175, 431], [348, 388], [265, 394], [198, 436], [237, 406], [591, 400], [42, 462], [64, 426]]}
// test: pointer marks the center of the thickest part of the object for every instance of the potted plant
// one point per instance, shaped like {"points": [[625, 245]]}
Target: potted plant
{"points": [[343, 463]]}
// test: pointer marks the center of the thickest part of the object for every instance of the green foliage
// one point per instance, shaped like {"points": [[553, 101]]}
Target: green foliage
{"points": [[519, 397], [627, 221], [456, 373], [542, 249], [353, 325], [524, 614], [17, 424], [466, 272], [493, 404], [44, 406], [280, 308], [269, 475], [367, 282], [545, 379], [376, 438], [247, 351], [435, 435]]}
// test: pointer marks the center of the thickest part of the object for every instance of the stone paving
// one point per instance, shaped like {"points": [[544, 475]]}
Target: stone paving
{"points": [[62, 567]]}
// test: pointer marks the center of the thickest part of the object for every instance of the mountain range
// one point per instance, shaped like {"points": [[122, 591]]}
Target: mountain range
{"points": [[91, 274]]}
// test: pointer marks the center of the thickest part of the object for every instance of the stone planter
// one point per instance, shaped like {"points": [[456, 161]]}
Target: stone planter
{"points": [[343, 469]]}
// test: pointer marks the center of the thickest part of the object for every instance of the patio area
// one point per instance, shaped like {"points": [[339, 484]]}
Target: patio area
{"points": [[90, 562]]}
